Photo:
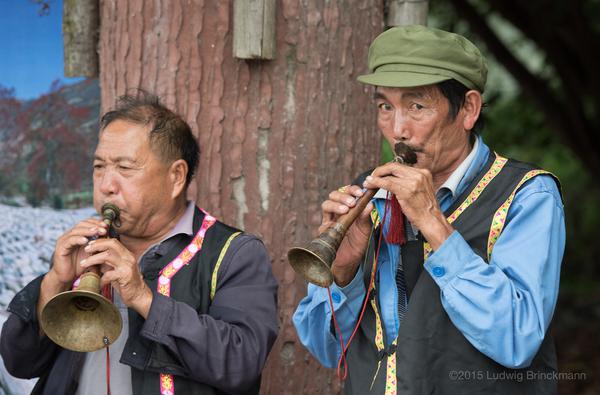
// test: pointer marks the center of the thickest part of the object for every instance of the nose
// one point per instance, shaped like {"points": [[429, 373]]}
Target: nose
{"points": [[400, 126], [107, 183]]}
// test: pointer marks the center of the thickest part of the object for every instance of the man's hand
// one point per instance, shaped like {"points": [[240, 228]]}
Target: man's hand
{"points": [[68, 252], [70, 249], [353, 246], [414, 190], [120, 269]]}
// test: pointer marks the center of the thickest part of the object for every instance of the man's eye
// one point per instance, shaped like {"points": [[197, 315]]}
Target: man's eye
{"points": [[98, 166], [124, 168], [384, 107], [417, 106]]}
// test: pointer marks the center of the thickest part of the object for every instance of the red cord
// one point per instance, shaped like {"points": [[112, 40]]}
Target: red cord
{"points": [[342, 359], [108, 293], [107, 371]]}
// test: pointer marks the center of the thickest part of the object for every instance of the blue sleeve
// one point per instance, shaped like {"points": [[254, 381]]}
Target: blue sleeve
{"points": [[312, 318], [504, 308]]}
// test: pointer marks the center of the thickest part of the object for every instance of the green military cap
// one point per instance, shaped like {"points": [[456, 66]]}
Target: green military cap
{"points": [[408, 56]]}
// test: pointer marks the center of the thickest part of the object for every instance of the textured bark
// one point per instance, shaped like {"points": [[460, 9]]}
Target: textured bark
{"points": [[276, 136]]}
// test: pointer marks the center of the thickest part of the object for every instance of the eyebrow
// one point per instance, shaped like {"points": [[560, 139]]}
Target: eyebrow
{"points": [[379, 95], [117, 159]]}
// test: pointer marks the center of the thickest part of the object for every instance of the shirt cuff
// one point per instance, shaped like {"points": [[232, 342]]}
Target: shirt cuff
{"points": [[340, 295], [154, 327], [355, 288], [449, 260]]}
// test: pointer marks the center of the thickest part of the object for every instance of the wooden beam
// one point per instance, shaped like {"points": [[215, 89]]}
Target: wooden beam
{"points": [[254, 29], [407, 12], [80, 37]]}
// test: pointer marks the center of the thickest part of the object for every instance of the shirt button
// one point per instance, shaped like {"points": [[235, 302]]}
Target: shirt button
{"points": [[438, 271], [336, 297]]}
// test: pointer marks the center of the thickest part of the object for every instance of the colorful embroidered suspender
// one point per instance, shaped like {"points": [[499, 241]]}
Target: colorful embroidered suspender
{"points": [[167, 385]]}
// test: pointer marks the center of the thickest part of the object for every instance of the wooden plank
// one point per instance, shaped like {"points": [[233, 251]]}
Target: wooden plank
{"points": [[407, 12], [80, 37], [254, 29]]}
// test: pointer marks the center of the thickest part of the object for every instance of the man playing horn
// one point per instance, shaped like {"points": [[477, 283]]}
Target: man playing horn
{"points": [[197, 297], [450, 276]]}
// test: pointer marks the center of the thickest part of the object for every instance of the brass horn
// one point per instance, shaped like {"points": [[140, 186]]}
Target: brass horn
{"points": [[314, 261], [83, 320]]}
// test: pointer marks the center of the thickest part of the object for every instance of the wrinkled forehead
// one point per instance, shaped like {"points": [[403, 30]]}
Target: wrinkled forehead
{"points": [[121, 137]]}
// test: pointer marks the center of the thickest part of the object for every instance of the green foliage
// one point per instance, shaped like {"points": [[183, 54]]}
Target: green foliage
{"points": [[387, 154]]}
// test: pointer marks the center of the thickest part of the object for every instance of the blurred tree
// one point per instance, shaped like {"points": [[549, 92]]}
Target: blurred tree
{"points": [[43, 147], [53, 150], [10, 107], [566, 34]]}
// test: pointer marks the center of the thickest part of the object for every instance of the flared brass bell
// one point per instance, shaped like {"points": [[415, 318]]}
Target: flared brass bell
{"points": [[314, 261], [83, 320]]}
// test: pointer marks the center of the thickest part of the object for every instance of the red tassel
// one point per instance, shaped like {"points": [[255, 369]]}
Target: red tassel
{"points": [[396, 233], [107, 292]]}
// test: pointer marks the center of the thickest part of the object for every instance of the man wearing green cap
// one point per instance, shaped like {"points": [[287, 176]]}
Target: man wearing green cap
{"points": [[453, 268]]}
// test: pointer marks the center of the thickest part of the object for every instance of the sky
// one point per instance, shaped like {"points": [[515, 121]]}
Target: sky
{"points": [[31, 52]]}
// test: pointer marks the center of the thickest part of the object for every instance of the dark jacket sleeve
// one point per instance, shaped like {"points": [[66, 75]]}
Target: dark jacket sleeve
{"points": [[227, 347], [26, 354]]}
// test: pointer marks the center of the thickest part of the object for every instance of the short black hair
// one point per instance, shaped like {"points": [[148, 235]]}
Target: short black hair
{"points": [[455, 92], [170, 137]]}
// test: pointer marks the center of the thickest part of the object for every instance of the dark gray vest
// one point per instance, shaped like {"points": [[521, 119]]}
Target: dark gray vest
{"points": [[432, 355]]}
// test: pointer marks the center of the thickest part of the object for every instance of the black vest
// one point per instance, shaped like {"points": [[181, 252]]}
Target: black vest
{"points": [[432, 355], [147, 358]]}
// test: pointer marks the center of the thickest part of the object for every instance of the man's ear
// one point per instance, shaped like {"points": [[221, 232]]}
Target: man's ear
{"points": [[177, 174], [471, 109]]}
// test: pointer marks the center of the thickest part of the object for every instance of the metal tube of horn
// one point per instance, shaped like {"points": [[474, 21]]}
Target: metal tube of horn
{"points": [[314, 261], [83, 320]]}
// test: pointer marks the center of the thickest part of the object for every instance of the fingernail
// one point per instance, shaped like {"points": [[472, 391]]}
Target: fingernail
{"points": [[349, 200], [369, 178], [82, 262], [101, 230]]}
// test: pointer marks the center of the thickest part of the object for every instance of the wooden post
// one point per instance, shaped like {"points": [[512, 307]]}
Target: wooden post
{"points": [[254, 29], [80, 37], [407, 12]]}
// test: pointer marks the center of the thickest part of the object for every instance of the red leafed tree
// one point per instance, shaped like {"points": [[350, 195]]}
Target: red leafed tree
{"points": [[10, 107], [54, 153]]}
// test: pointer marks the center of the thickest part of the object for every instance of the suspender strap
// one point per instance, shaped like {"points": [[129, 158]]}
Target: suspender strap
{"points": [[213, 282]]}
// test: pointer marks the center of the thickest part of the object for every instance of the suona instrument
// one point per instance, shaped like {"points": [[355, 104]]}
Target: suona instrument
{"points": [[314, 261], [82, 319]]}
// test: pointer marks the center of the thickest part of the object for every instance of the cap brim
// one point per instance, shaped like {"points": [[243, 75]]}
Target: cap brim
{"points": [[401, 79]]}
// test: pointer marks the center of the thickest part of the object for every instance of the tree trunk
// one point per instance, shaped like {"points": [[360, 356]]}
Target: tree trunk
{"points": [[80, 36], [276, 136]]}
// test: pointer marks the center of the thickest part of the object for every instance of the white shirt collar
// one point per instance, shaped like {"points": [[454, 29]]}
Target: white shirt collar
{"points": [[452, 182]]}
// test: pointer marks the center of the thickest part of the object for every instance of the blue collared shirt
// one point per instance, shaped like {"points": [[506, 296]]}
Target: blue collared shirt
{"points": [[502, 308]]}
